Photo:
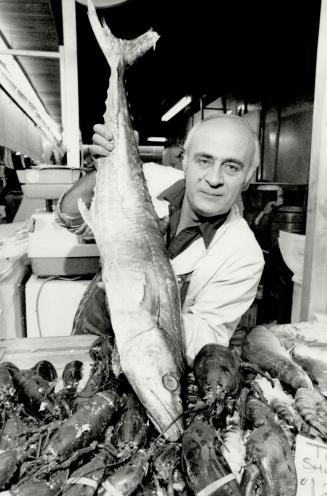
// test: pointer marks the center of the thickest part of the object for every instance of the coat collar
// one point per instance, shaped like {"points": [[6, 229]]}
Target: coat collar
{"points": [[175, 196]]}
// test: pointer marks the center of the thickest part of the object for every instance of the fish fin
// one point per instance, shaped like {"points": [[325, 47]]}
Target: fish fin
{"points": [[86, 213], [150, 303], [115, 362]]}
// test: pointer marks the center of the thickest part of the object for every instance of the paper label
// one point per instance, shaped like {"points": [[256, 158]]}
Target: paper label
{"points": [[311, 467]]}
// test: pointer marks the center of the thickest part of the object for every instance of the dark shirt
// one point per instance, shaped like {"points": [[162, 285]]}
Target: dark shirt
{"points": [[176, 244], [207, 228]]}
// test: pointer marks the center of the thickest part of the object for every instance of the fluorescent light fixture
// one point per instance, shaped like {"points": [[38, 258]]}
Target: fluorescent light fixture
{"points": [[176, 108], [157, 139], [19, 87]]}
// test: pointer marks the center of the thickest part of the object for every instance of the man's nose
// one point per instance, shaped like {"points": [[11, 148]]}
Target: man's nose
{"points": [[215, 176]]}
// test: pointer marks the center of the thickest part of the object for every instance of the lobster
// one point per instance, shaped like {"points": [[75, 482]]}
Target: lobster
{"points": [[72, 373], [167, 470], [52, 487], [46, 370], [78, 435], [270, 459], [87, 424], [101, 373], [7, 388], [128, 477], [86, 479], [71, 376], [35, 392], [131, 432], [203, 464], [218, 377], [15, 447]]}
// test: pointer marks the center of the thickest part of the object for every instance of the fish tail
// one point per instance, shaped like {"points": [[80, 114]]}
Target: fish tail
{"points": [[117, 51], [133, 49]]}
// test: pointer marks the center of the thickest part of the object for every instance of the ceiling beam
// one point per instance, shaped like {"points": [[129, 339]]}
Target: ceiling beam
{"points": [[69, 82], [30, 53]]}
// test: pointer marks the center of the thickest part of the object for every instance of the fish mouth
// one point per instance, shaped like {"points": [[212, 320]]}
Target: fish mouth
{"points": [[150, 368], [167, 420], [164, 407]]}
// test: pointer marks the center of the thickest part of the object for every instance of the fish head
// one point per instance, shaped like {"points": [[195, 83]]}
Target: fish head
{"points": [[155, 375]]}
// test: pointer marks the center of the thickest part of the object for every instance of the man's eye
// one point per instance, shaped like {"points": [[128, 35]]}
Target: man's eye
{"points": [[204, 161], [232, 168]]}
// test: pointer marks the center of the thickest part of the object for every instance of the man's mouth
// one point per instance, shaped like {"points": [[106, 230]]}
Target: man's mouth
{"points": [[212, 194]]}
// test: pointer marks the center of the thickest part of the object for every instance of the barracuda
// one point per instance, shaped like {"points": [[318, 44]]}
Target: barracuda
{"points": [[140, 285]]}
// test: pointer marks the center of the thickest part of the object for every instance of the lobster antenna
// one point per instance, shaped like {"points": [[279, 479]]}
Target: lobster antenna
{"points": [[163, 433]]}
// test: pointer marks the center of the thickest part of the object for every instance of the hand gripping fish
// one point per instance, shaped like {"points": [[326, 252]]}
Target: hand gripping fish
{"points": [[140, 285]]}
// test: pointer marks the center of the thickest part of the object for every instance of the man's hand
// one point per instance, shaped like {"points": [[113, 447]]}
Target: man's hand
{"points": [[102, 142]]}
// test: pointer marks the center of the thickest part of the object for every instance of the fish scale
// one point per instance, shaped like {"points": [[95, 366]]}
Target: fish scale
{"points": [[141, 288]]}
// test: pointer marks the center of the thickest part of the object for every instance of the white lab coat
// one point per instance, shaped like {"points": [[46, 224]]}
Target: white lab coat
{"points": [[224, 277]]}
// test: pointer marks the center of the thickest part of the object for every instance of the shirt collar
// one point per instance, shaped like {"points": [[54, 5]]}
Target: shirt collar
{"points": [[208, 226]]}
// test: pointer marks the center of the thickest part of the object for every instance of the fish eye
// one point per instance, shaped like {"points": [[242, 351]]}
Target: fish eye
{"points": [[170, 382]]}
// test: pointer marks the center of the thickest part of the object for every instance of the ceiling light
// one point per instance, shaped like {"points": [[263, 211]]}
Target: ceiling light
{"points": [[18, 86], [158, 139], [176, 108], [103, 3]]}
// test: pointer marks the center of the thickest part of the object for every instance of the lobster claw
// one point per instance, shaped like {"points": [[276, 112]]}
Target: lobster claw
{"points": [[250, 478], [204, 466], [46, 370]]}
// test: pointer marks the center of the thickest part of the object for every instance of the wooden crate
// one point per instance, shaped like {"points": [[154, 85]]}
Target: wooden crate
{"points": [[26, 352]]}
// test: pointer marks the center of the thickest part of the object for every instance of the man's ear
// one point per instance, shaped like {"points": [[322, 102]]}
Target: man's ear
{"points": [[184, 160], [249, 176]]}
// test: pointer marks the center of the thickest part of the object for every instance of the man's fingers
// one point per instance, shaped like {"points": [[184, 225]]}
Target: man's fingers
{"points": [[101, 130], [97, 139], [98, 151], [103, 143]]}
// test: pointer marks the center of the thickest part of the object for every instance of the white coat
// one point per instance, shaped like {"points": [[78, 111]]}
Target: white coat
{"points": [[224, 278]]}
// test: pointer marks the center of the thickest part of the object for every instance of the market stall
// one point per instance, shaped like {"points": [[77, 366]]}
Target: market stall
{"points": [[199, 366]]}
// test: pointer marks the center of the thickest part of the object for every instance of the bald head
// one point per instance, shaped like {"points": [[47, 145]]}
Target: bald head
{"points": [[220, 157], [228, 124]]}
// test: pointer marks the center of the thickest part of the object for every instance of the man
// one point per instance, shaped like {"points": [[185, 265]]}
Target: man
{"points": [[213, 252]]}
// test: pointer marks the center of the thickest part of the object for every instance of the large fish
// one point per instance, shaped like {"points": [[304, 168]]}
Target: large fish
{"points": [[140, 285]]}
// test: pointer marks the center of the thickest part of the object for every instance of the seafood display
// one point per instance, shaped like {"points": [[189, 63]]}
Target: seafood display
{"points": [[99, 439]]}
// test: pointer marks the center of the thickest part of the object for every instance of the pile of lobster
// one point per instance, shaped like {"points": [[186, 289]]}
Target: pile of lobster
{"points": [[242, 412]]}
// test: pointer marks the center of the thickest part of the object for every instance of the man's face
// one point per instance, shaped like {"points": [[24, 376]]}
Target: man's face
{"points": [[217, 166]]}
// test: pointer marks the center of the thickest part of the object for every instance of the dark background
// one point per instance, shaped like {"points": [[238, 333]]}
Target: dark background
{"points": [[258, 51]]}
